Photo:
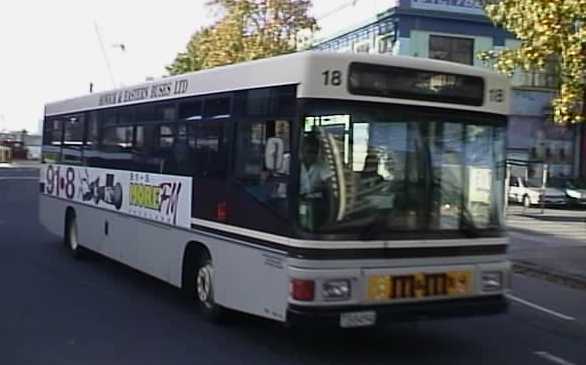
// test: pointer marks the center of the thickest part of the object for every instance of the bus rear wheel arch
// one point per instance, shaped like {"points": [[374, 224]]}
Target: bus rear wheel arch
{"points": [[198, 281]]}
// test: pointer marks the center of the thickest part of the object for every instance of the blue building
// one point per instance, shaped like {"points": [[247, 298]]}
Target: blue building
{"points": [[456, 31]]}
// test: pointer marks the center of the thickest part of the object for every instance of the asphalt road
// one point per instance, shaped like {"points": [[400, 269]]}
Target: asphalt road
{"points": [[55, 310]]}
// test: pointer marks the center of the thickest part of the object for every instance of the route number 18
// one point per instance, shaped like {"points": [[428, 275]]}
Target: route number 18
{"points": [[333, 78]]}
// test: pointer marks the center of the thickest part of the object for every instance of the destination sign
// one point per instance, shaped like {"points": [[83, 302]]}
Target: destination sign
{"points": [[407, 83]]}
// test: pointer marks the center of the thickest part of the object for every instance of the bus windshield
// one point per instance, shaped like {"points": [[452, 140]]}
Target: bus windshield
{"points": [[376, 169]]}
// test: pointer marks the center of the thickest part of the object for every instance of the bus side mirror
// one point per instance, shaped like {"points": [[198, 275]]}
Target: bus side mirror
{"points": [[274, 150]]}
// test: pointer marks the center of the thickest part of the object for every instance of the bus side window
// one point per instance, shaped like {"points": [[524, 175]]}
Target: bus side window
{"points": [[269, 186], [163, 149], [91, 139], [116, 139], [142, 149], [210, 150], [73, 138], [190, 110], [217, 107], [52, 139]]}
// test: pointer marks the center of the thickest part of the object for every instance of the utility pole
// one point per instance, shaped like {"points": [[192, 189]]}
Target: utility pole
{"points": [[582, 131], [104, 54]]}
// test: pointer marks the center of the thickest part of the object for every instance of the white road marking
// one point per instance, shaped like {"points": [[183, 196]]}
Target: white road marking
{"points": [[555, 359], [18, 178], [543, 309], [575, 231]]}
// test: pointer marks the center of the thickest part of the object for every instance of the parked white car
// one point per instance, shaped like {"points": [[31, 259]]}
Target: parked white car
{"points": [[575, 191], [529, 193]]}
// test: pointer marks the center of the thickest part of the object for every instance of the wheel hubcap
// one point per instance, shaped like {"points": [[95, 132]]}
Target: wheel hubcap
{"points": [[204, 285]]}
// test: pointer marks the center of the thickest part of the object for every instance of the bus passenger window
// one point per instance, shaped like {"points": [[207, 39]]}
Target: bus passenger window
{"points": [[266, 183], [56, 131], [116, 147], [91, 138], [210, 153], [217, 107], [166, 137], [52, 136], [117, 139], [143, 157], [73, 138], [164, 142], [190, 110]]}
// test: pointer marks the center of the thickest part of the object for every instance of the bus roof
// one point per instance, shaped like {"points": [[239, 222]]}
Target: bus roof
{"points": [[302, 68]]}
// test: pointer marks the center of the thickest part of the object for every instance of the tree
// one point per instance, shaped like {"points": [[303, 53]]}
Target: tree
{"points": [[246, 30], [548, 30], [194, 57]]}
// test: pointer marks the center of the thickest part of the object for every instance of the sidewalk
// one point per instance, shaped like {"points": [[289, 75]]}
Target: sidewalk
{"points": [[550, 244], [560, 223], [21, 164]]}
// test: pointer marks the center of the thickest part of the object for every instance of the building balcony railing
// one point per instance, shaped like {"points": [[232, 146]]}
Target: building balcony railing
{"points": [[535, 79], [544, 79]]}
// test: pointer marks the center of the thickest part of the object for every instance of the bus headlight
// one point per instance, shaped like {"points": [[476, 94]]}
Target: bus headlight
{"points": [[492, 281], [338, 289]]}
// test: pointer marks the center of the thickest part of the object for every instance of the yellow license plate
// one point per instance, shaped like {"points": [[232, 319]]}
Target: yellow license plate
{"points": [[419, 285]]}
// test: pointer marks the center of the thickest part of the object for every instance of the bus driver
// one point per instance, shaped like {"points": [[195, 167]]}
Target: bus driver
{"points": [[314, 171]]}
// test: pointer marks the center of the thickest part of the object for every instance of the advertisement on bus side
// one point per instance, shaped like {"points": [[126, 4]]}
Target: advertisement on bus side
{"points": [[160, 198]]}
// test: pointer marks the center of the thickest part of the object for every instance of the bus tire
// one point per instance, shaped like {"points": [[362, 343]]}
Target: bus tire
{"points": [[71, 237], [199, 284], [204, 288]]}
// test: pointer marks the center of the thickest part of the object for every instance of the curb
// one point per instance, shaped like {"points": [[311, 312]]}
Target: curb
{"points": [[528, 268]]}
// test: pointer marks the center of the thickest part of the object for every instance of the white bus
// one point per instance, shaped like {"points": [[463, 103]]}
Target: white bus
{"points": [[310, 188]]}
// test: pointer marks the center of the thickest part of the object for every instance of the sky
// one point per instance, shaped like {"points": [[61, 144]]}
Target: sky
{"points": [[52, 50]]}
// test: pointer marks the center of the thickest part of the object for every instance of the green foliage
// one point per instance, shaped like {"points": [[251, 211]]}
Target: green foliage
{"points": [[246, 30], [547, 29], [193, 58]]}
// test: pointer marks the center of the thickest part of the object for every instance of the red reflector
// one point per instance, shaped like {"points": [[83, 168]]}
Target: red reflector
{"points": [[302, 289], [222, 211]]}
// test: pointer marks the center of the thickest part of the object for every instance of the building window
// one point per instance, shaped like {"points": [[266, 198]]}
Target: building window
{"points": [[385, 44], [362, 47], [452, 49]]}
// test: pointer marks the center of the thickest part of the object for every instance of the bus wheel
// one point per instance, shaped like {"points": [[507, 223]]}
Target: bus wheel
{"points": [[204, 288], [71, 238]]}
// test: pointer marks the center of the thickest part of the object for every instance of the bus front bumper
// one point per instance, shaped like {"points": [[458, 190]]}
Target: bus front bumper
{"points": [[307, 316]]}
